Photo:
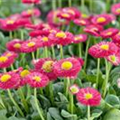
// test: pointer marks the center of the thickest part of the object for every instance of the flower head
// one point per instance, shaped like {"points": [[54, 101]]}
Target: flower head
{"points": [[74, 89], [31, 12], [45, 66], [9, 80], [89, 96], [68, 67], [102, 19], [31, 1], [116, 9], [36, 79], [80, 38], [103, 49], [14, 45], [93, 29], [30, 45], [61, 38], [81, 22], [110, 32], [7, 59]]}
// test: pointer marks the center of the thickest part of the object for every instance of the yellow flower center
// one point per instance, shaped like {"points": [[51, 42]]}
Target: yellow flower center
{"points": [[10, 21], [67, 65], [65, 15], [101, 19], [30, 12], [74, 90], [17, 45], [78, 38], [113, 57], [37, 78], [88, 96], [104, 47], [24, 73], [118, 10], [5, 78], [109, 33], [31, 44], [3, 59], [45, 39], [61, 35], [47, 66]]}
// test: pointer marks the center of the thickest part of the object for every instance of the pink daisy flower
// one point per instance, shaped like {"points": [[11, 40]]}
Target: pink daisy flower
{"points": [[36, 79], [102, 19], [31, 12], [14, 45], [89, 97], [81, 22], [9, 80], [54, 20], [114, 59], [110, 32], [80, 38], [30, 45], [68, 67], [7, 59], [116, 38], [103, 49], [31, 1], [74, 89], [116, 9], [61, 38], [45, 66], [93, 29]]}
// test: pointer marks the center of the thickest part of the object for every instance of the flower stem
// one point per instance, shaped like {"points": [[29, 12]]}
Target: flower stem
{"points": [[91, 5], [88, 107], [83, 3], [53, 52], [33, 56], [80, 49], [51, 92], [22, 34], [16, 105], [28, 92], [60, 3], [98, 70], [107, 78], [4, 70], [54, 4], [67, 86], [46, 52], [61, 52], [10, 34], [86, 54], [23, 99], [38, 52], [37, 106], [70, 3]]}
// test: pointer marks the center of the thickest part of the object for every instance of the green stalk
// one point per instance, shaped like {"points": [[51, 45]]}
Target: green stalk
{"points": [[54, 4], [12, 68], [10, 35], [60, 3], [98, 71], [80, 49], [70, 3], [14, 102], [86, 53], [91, 5], [61, 52], [38, 53], [51, 92], [23, 100], [83, 3], [67, 86], [33, 56], [88, 112], [22, 34], [46, 51], [107, 78], [4, 70], [37, 106], [28, 91], [53, 52]]}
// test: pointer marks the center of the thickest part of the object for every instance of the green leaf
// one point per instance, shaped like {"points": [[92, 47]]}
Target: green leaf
{"points": [[112, 100], [66, 114], [14, 118], [96, 113], [113, 114], [54, 112]]}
